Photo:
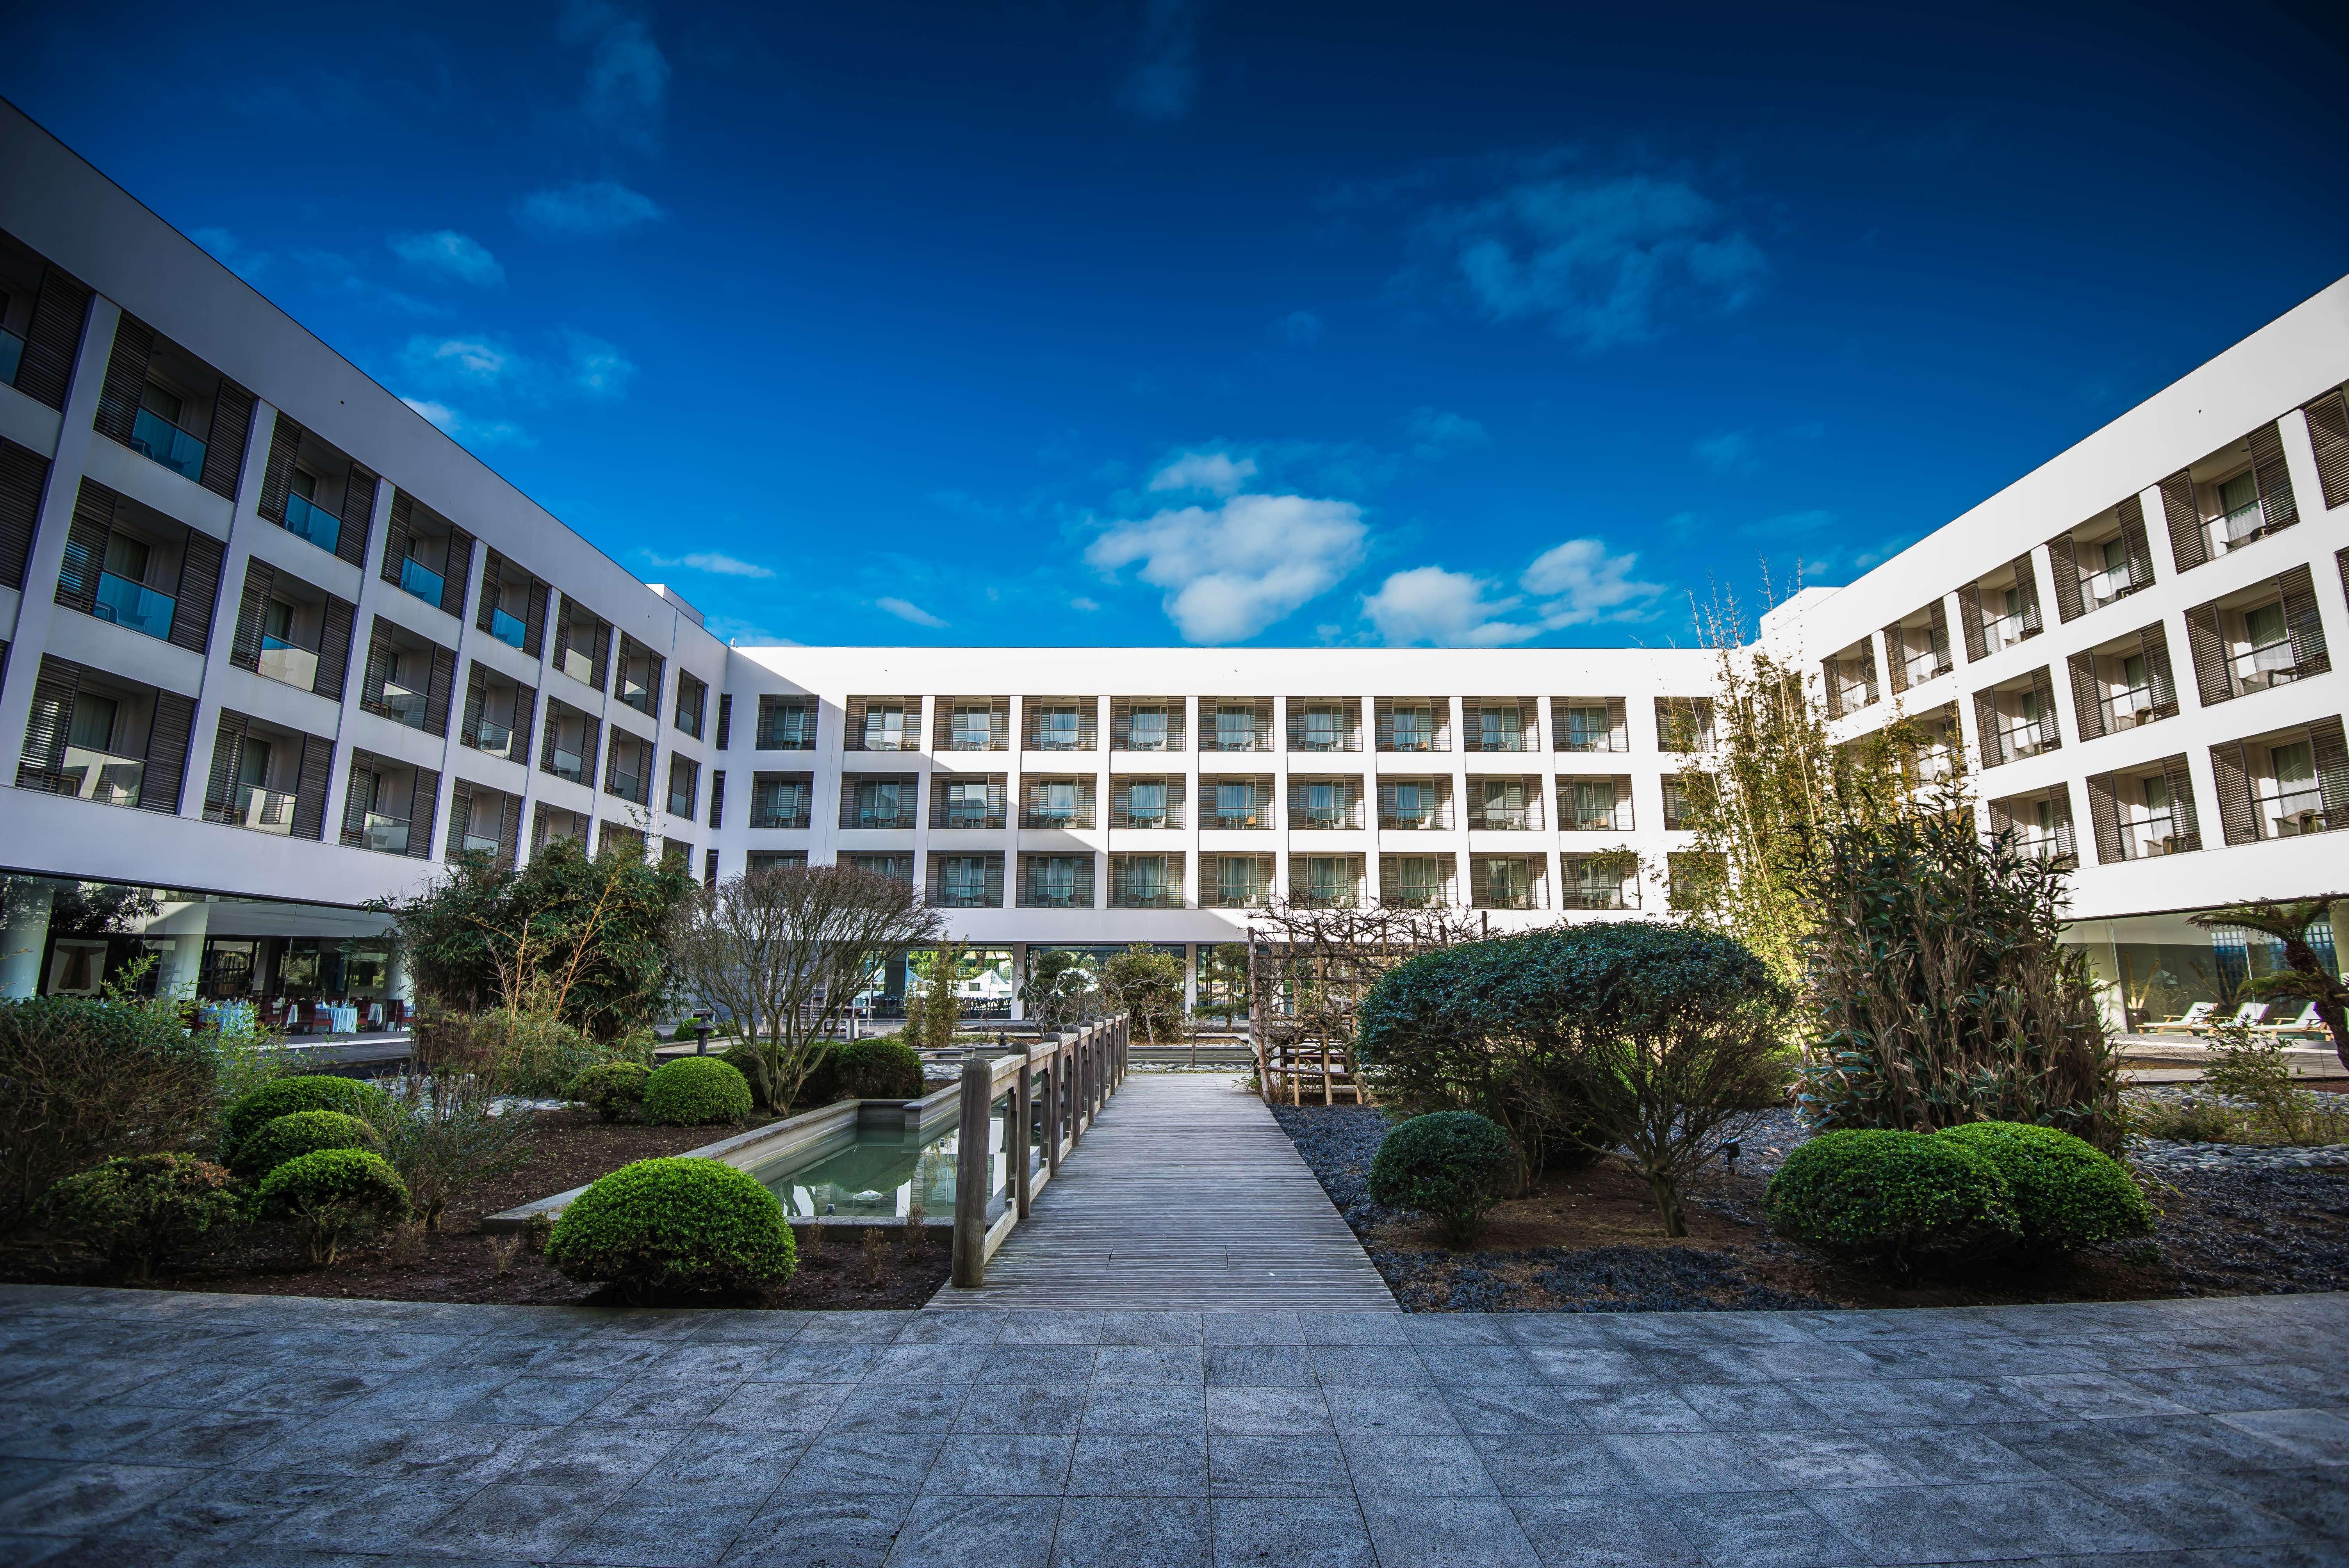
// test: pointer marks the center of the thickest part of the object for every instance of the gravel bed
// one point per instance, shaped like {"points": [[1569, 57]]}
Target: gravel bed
{"points": [[1337, 1141], [2168, 1156]]}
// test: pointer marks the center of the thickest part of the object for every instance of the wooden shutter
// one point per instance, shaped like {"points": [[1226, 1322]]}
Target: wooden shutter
{"points": [[125, 377], [224, 448], [2088, 706], [200, 575], [2302, 623], [1940, 612], [1986, 728], [657, 675], [717, 796], [2277, 509], [525, 714], [459, 576], [228, 748], [2001, 820], [2064, 561], [2042, 687], [2027, 580], [50, 725], [396, 538], [444, 681], [85, 537], [167, 753], [2132, 540], [251, 613], [2233, 776], [310, 792], [334, 647], [1896, 667], [1835, 696], [492, 568], [53, 339], [2325, 740], [1970, 612], [2186, 821], [546, 747], [358, 513], [726, 699], [2153, 643], [510, 831], [612, 759], [603, 653], [379, 669], [535, 621], [2187, 546], [24, 474], [355, 790], [591, 733], [2213, 682], [277, 477], [423, 814], [477, 687], [460, 817], [2328, 432], [2104, 818], [2060, 796]]}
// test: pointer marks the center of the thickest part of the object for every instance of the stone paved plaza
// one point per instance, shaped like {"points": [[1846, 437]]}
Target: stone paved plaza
{"points": [[150, 1427]]}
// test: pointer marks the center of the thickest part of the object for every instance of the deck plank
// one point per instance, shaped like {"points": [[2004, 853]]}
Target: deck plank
{"points": [[1185, 1193]]}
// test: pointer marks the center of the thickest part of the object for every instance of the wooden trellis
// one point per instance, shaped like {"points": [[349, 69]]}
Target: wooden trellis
{"points": [[1309, 969]]}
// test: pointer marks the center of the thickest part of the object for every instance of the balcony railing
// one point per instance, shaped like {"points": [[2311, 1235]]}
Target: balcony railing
{"points": [[2020, 740], [569, 765], [577, 665], [964, 895], [1506, 819], [1412, 897], [1512, 739], [312, 521], [971, 738], [2001, 632], [1856, 694], [2149, 836], [1147, 817], [494, 739], [387, 834], [1315, 896], [1050, 737], [1433, 819], [680, 803], [1312, 738], [779, 816], [404, 705], [1409, 736], [2130, 708], [290, 663], [968, 814], [1149, 897], [153, 436], [1241, 895], [625, 786], [883, 817], [1595, 819], [1057, 897], [2098, 589], [102, 775], [2271, 665], [127, 604], [510, 630], [1341, 814], [1919, 668], [2287, 813], [1601, 896], [2234, 529], [479, 844], [1242, 817], [264, 810], [1505, 898], [1055, 817], [12, 357], [420, 580], [2039, 845], [1934, 764]]}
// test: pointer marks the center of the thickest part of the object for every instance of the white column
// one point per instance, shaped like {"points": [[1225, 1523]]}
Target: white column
{"points": [[23, 934], [185, 929]]}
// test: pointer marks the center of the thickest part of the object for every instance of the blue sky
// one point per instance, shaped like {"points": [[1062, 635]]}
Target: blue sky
{"points": [[1160, 322]]}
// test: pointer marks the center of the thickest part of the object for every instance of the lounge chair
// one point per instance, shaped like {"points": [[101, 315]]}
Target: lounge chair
{"points": [[2191, 1019], [2308, 1023]]}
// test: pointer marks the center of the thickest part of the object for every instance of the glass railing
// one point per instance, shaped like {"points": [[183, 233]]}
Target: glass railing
{"points": [[963, 740], [1141, 817], [1595, 819], [283, 660], [1144, 740], [884, 817], [1506, 898], [153, 436], [1146, 898], [778, 816], [1602, 895], [782, 737], [1242, 817], [1324, 898], [264, 811], [636, 694], [2290, 812], [1057, 898], [1506, 817], [1061, 740], [127, 603], [680, 805], [1325, 817], [577, 665], [421, 581], [2127, 709], [1410, 821], [2150, 836], [312, 523], [953, 896], [386, 834], [2261, 668], [1932, 765], [1411, 898], [627, 786], [2020, 740], [877, 738], [103, 777], [1320, 740], [2101, 588], [404, 705], [479, 844], [1922, 668], [2001, 632], [969, 817], [1515, 740], [1856, 694], [12, 357], [570, 765], [2039, 846], [508, 629], [495, 739], [2234, 529]]}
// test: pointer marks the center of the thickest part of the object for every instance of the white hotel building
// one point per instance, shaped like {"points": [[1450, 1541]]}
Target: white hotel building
{"points": [[275, 646]]}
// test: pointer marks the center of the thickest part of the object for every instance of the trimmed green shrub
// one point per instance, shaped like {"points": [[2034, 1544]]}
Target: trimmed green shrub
{"points": [[284, 1097], [1893, 1200], [283, 1138], [332, 1195], [694, 1092], [137, 1209], [2069, 1193], [1452, 1165], [613, 1091], [685, 1225], [865, 1070]]}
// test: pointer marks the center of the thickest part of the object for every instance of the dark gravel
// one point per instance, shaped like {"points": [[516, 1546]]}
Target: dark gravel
{"points": [[2252, 1231], [1337, 1141]]}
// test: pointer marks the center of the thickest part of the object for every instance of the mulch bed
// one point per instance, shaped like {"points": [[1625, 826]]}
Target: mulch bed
{"points": [[457, 1263], [1588, 1241]]}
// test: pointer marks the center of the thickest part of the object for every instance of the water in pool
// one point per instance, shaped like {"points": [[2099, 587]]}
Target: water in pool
{"points": [[872, 1175]]}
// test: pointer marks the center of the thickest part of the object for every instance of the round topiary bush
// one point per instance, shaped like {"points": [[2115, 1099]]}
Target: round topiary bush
{"points": [[283, 1138], [331, 1195], [865, 1070], [693, 1091], [1893, 1200], [1453, 1165], [613, 1091], [674, 1225], [283, 1097], [2069, 1193], [136, 1209]]}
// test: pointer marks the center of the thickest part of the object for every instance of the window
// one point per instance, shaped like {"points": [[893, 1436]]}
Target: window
{"points": [[1602, 882], [1241, 882], [1061, 728], [1504, 803], [785, 723], [1587, 729], [1145, 881], [1412, 724], [1676, 805], [1411, 803], [1145, 803], [896, 868], [1058, 803], [777, 859], [1591, 805], [1411, 882], [1240, 804], [974, 729], [968, 803], [1329, 881], [868, 803], [1322, 803], [692, 700], [1504, 882], [1236, 729], [967, 881], [779, 801], [1146, 729], [683, 785], [1056, 881]]}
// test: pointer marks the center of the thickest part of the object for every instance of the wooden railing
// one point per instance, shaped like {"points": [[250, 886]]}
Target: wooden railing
{"points": [[1049, 1094]]}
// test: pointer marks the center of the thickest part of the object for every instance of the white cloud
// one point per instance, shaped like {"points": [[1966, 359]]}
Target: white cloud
{"points": [[439, 414], [628, 74], [712, 561], [598, 368], [905, 611], [1089, 606], [1448, 609], [1437, 431], [1232, 570], [1580, 582], [1166, 75], [223, 248], [1214, 473], [463, 359], [584, 210], [456, 255], [470, 432], [1731, 453]]}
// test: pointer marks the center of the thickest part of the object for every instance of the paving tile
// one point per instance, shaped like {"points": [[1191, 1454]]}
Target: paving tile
{"points": [[224, 1507], [1420, 1466], [1260, 1366], [1449, 1533], [801, 1363], [1153, 1328], [1942, 1455], [1254, 1327], [718, 1362], [1118, 1466], [1268, 1411], [72, 1498], [2279, 1386], [1369, 1366], [2313, 1499], [1049, 1328], [2094, 1395], [1454, 1330], [24, 1551], [928, 1364], [864, 1462], [1353, 1327], [2190, 1444], [769, 1407], [50, 1432], [732, 1464], [1978, 1523], [1016, 1409], [1592, 1364], [854, 1327], [644, 1529], [1920, 1401], [2307, 1436], [1452, 1365], [967, 1328], [1295, 1532], [820, 1530], [1697, 1461], [533, 1522], [1818, 1457], [1620, 1410], [1148, 1364], [1760, 1530], [1390, 1411], [1502, 1407], [995, 1466], [883, 1408], [2191, 1511], [1523, 1465], [1131, 1533], [1746, 1407], [384, 1516], [1141, 1410], [429, 1394], [612, 1457], [961, 1531], [660, 1402], [531, 1401], [1277, 1467], [1072, 1364]]}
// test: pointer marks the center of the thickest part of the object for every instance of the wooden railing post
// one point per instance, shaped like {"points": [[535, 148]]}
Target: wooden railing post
{"points": [[1056, 1082], [1021, 1087], [971, 1174]]}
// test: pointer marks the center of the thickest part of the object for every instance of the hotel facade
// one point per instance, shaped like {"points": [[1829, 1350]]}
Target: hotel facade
{"points": [[275, 646]]}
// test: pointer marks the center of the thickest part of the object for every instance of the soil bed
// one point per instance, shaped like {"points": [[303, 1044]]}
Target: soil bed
{"points": [[1588, 1241], [457, 1263]]}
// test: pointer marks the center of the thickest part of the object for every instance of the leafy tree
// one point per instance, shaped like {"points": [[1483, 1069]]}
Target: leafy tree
{"points": [[1060, 992], [1146, 986], [784, 952], [2305, 977]]}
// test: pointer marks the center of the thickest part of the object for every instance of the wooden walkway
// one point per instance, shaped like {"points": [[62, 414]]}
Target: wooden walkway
{"points": [[1185, 1193]]}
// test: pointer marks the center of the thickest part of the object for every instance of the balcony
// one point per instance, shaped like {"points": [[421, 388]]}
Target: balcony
{"points": [[680, 803], [508, 629], [963, 895], [1145, 895], [1855, 694], [387, 835], [2149, 836], [495, 740], [1326, 815], [570, 765], [2017, 741], [1495, 736], [2001, 632], [977, 736], [2038, 845], [12, 356], [1919, 668], [2098, 589], [1425, 818], [1601, 895], [2235, 528], [1239, 816], [1412, 898], [102, 775], [127, 603], [627, 786], [1934, 764], [779, 816], [152, 435], [577, 665], [1056, 896], [882, 817], [403, 706], [1595, 819], [1060, 732], [288, 663], [312, 523], [2290, 812], [636, 694], [1506, 819], [2271, 665], [1506, 898], [420, 580], [479, 844], [264, 810], [2129, 710]]}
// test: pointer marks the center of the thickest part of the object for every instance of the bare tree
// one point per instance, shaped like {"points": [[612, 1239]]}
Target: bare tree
{"points": [[1312, 964], [784, 951]]}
